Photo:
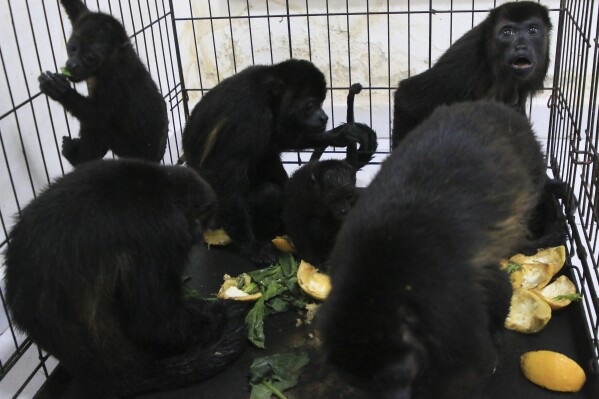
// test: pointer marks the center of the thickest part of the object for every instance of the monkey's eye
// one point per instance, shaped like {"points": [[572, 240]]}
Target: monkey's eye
{"points": [[72, 47], [507, 32], [310, 105], [309, 108], [533, 30], [89, 59]]}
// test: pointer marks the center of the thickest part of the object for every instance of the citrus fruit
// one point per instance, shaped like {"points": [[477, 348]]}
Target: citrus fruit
{"points": [[315, 284], [559, 293], [528, 312], [229, 289], [552, 370], [283, 244], [216, 237]]}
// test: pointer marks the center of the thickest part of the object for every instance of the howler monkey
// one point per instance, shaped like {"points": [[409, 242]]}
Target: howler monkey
{"points": [[418, 300], [235, 136], [124, 111], [94, 276], [316, 200], [504, 58], [320, 194]]}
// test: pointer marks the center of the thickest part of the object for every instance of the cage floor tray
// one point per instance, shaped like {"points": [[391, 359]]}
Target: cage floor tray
{"points": [[564, 333]]}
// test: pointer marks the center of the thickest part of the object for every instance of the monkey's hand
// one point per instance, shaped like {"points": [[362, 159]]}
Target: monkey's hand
{"points": [[54, 85], [340, 136], [70, 148]]}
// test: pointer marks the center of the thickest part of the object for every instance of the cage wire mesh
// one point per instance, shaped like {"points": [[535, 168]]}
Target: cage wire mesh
{"points": [[190, 46], [572, 148], [33, 36]]}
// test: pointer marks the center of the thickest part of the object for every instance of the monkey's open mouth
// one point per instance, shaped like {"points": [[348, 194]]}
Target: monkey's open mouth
{"points": [[521, 63]]}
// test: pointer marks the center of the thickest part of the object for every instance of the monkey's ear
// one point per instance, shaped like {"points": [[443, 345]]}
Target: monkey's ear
{"points": [[74, 9]]}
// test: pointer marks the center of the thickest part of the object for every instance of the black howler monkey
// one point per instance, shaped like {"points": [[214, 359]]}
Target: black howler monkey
{"points": [[94, 276], [124, 111], [316, 200], [320, 194], [504, 58], [418, 300], [235, 136]]}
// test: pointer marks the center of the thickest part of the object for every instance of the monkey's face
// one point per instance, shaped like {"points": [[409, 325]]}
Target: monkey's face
{"points": [[300, 118], [304, 113], [383, 364], [522, 46], [95, 40], [335, 182], [83, 59], [313, 116], [340, 200]]}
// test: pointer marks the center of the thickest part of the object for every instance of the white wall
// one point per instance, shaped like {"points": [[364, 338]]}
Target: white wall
{"points": [[376, 56]]}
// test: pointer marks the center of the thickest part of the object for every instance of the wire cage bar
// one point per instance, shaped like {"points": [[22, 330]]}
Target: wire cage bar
{"points": [[572, 149], [32, 39], [189, 46]]}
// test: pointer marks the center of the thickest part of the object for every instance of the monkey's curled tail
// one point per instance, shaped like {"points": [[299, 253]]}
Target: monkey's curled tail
{"points": [[354, 89], [358, 132], [198, 363], [359, 157]]}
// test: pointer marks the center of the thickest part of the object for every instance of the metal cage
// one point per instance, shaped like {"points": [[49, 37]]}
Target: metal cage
{"points": [[190, 46]]}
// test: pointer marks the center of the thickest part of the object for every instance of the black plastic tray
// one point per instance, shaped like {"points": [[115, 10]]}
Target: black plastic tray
{"points": [[564, 333]]}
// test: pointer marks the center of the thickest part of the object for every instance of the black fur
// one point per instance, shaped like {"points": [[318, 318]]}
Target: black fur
{"points": [[480, 65], [319, 195], [316, 200], [418, 301], [235, 136], [94, 276], [359, 132], [124, 111]]}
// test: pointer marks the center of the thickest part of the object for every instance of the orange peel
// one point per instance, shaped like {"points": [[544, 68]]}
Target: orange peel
{"points": [[315, 284], [283, 244], [552, 370], [528, 312]]}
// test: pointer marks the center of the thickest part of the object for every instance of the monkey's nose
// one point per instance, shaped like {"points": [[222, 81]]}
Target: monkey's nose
{"points": [[324, 118], [72, 65], [521, 46]]}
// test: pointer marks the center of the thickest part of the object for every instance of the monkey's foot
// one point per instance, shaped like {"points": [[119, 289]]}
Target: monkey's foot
{"points": [[70, 148]]}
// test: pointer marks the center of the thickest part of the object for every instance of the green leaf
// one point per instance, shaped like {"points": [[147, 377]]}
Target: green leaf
{"points": [[513, 267], [298, 303], [255, 323], [255, 317], [265, 277], [291, 284], [250, 288], [65, 72], [280, 278], [260, 391], [277, 305], [569, 297], [272, 388], [190, 293], [288, 265], [276, 373]]}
